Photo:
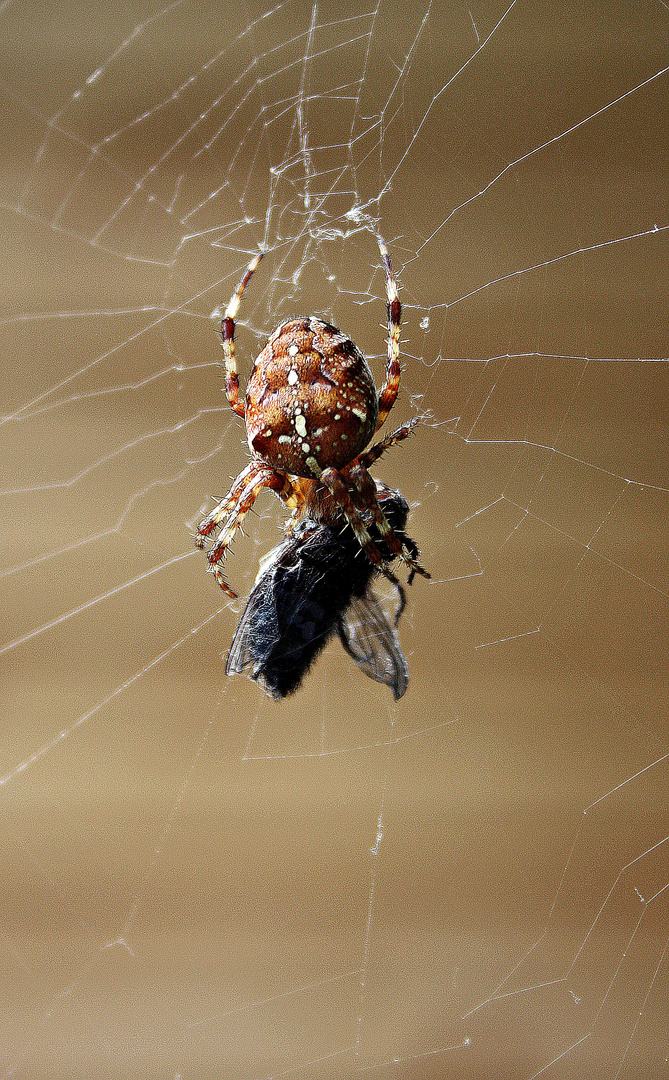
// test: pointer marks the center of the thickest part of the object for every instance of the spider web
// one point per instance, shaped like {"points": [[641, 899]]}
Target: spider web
{"points": [[472, 882]]}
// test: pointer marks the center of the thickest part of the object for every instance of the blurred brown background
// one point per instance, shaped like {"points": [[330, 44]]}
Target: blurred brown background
{"points": [[196, 881]]}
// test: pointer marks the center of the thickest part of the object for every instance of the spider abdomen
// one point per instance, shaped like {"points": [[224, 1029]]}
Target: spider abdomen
{"points": [[311, 402]]}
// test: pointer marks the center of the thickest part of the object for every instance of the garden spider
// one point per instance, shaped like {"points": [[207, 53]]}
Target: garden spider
{"points": [[311, 408]]}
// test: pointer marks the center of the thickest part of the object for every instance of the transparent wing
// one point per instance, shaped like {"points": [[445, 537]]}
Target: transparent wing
{"points": [[258, 612], [369, 638], [244, 646]]}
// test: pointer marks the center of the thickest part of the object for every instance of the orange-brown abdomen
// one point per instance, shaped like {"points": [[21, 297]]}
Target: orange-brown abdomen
{"points": [[311, 400]]}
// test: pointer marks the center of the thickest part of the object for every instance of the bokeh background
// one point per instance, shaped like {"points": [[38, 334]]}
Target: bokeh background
{"points": [[197, 882]]}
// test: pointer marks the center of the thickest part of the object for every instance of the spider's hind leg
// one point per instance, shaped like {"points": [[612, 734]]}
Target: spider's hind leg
{"points": [[228, 339], [390, 389]]}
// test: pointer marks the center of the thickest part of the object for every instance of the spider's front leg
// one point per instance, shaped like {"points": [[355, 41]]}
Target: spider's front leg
{"points": [[365, 487], [333, 480], [364, 495], [231, 511]]}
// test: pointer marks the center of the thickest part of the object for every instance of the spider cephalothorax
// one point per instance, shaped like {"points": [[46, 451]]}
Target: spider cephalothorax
{"points": [[311, 408]]}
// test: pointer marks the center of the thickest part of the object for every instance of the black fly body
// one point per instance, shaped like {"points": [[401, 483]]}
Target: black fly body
{"points": [[316, 583]]}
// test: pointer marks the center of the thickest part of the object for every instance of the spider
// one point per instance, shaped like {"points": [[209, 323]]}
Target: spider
{"points": [[311, 408], [312, 586]]}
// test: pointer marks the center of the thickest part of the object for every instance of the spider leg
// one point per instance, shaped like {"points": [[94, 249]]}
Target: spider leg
{"points": [[231, 511], [390, 388], [383, 492], [368, 457], [214, 519], [365, 486], [333, 481], [228, 339]]}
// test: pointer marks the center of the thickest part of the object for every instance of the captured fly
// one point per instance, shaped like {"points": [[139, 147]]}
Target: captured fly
{"points": [[317, 583]]}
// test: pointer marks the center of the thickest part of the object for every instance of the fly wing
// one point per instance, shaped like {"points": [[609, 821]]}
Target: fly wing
{"points": [[369, 638], [245, 645]]}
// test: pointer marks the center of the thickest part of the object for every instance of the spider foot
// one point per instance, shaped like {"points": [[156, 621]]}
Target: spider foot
{"points": [[415, 568], [218, 574]]}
